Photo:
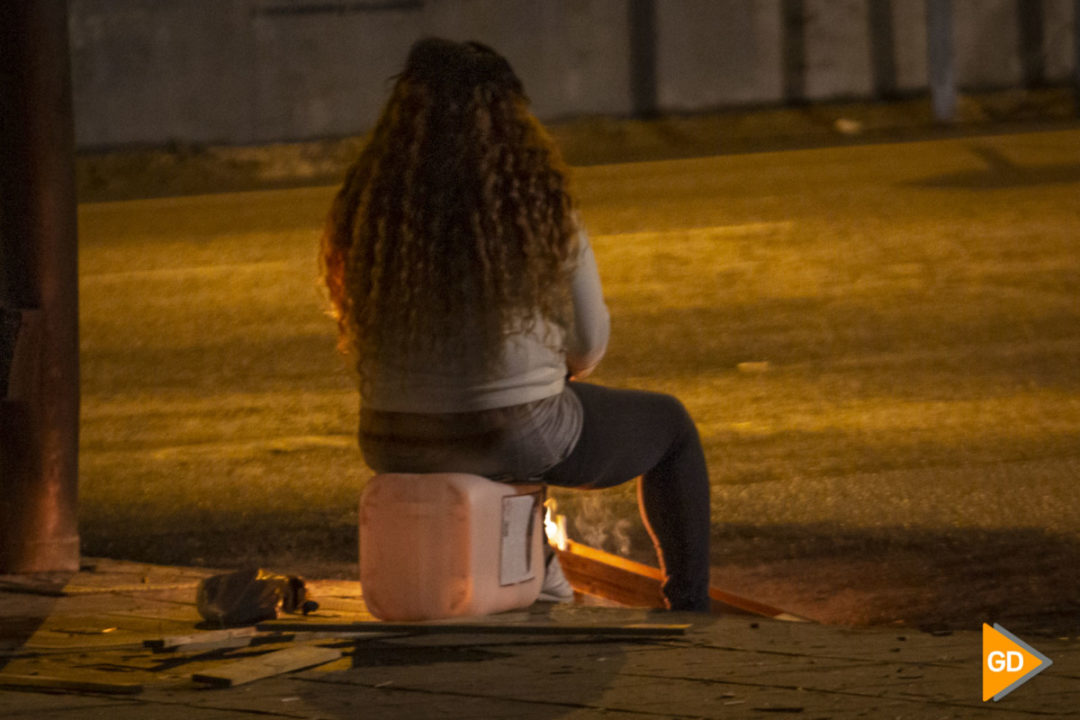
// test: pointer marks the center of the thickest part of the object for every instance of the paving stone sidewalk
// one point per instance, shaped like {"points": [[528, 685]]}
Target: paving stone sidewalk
{"points": [[90, 628]]}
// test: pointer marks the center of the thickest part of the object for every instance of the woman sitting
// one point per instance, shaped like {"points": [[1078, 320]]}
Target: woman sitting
{"points": [[466, 290]]}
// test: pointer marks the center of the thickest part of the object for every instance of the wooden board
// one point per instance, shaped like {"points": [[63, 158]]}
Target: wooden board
{"points": [[239, 672], [233, 637], [601, 574], [432, 628], [73, 682]]}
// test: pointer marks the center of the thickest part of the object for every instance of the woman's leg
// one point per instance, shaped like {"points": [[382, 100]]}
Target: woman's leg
{"points": [[631, 433]]}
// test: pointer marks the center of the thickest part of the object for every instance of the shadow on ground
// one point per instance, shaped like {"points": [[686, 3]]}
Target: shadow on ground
{"points": [[1002, 172], [461, 679], [935, 580], [25, 603]]}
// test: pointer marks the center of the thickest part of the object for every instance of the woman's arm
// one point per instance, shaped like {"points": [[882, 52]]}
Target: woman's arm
{"points": [[588, 338]]}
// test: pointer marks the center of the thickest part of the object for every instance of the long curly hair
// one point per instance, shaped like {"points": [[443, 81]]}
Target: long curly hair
{"points": [[454, 228]]}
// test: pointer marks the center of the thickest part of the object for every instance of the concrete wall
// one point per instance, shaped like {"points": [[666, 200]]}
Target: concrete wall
{"points": [[712, 54], [909, 38], [1059, 26], [838, 49], [146, 71], [251, 71], [319, 71], [986, 42], [572, 55]]}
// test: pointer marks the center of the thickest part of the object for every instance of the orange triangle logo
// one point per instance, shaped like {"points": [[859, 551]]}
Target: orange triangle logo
{"points": [[1008, 662]]}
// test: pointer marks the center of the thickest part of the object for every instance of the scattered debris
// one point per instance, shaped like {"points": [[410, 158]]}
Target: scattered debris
{"points": [[248, 596], [754, 368], [847, 126]]}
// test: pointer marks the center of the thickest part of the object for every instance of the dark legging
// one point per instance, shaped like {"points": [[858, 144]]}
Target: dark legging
{"points": [[631, 433]]}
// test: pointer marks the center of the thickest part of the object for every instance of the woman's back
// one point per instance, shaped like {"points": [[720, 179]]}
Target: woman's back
{"points": [[453, 227]]}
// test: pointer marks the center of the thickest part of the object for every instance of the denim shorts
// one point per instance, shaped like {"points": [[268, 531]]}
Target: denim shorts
{"points": [[510, 444]]}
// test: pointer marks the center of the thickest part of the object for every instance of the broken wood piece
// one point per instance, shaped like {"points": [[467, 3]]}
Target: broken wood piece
{"points": [[279, 662], [47, 682], [209, 639], [75, 589], [602, 574], [428, 628]]}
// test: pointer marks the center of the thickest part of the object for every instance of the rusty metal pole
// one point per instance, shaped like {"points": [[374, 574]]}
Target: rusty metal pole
{"points": [[39, 345], [1076, 54]]}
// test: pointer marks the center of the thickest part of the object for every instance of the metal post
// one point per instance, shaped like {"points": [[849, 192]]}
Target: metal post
{"points": [[39, 398], [939, 51], [643, 58]]}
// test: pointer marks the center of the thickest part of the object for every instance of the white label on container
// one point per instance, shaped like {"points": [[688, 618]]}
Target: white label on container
{"points": [[515, 564]]}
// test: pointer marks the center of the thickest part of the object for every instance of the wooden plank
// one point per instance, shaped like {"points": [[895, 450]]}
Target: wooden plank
{"points": [[428, 628], [74, 589], [47, 682], [51, 588], [279, 662], [599, 573], [209, 638]]}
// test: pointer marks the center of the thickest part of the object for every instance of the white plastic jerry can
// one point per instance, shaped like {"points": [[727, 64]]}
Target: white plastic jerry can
{"points": [[448, 545]]}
